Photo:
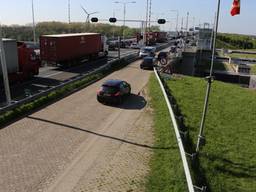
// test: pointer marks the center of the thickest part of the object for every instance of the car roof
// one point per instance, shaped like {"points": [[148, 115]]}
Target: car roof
{"points": [[148, 47], [112, 82], [148, 58], [163, 52]]}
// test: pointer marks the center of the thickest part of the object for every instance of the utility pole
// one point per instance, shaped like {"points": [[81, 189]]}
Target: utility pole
{"points": [[201, 138], [124, 4], [4, 70], [146, 26], [34, 26]]}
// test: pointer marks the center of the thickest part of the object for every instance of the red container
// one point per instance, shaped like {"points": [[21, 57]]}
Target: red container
{"points": [[68, 47], [161, 36]]}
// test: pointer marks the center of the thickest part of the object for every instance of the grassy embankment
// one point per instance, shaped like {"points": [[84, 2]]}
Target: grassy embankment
{"points": [[166, 167], [253, 69], [228, 160]]}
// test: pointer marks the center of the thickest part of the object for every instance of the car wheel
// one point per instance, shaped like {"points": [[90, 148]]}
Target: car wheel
{"points": [[99, 100], [129, 93]]}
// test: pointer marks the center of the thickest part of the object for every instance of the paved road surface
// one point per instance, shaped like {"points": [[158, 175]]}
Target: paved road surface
{"points": [[52, 76], [78, 144]]}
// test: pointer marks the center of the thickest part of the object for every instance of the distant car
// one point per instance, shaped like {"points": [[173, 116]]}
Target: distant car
{"points": [[148, 63], [147, 51], [134, 46], [113, 91]]}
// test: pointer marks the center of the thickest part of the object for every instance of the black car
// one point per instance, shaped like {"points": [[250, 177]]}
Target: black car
{"points": [[148, 63], [113, 91]]}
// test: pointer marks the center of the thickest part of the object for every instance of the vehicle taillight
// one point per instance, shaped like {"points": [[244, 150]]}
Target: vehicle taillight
{"points": [[100, 91], [117, 94]]}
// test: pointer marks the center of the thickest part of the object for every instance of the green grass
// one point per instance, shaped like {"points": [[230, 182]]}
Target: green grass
{"points": [[222, 45], [228, 159], [166, 173], [241, 55], [253, 69]]}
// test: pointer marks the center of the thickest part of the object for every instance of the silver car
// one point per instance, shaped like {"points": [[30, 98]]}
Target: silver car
{"points": [[147, 51]]}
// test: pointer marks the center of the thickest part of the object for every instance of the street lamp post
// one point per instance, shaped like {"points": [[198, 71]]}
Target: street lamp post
{"points": [[124, 4], [33, 18], [177, 18], [69, 20], [4, 70]]}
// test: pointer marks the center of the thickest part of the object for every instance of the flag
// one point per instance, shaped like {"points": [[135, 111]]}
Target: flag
{"points": [[235, 10]]}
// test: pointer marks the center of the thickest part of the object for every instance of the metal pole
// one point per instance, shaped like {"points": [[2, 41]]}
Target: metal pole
{"points": [[193, 23], [181, 28], [34, 27], [149, 16], [146, 25], [119, 52], [212, 35], [187, 21], [208, 90], [4, 70], [177, 20], [69, 20], [124, 18]]}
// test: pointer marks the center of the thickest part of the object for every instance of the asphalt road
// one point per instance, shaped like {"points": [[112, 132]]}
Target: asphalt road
{"points": [[51, 76], [67, 145]]}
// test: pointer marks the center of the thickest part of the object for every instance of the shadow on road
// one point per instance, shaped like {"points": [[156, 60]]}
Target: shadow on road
{"points": [[133, 102], [98, 134]]}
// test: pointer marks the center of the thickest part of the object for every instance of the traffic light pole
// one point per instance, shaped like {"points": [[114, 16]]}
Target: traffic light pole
{"points": [[4, 70]]}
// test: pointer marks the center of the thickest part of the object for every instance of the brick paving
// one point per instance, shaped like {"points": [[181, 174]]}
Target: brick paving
{"points": [[77, 144]]}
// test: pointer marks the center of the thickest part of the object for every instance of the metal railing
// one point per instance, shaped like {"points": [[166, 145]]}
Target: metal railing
{"points": [[129, 57], [178, 137]]}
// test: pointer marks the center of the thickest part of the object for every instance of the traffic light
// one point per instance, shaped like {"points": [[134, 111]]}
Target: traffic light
{"points": [[94, 19], [161, 21], [112, 19]]}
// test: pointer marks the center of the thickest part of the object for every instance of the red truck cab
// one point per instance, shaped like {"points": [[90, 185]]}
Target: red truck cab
{"points": [[28, 58]]}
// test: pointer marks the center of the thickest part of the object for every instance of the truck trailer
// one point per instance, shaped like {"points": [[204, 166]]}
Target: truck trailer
{"points": [[22, 60], [66, 49]]}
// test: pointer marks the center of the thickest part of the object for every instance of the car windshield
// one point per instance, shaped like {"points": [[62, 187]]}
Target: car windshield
{"points": [[146, 50], [148, 60], [109, 89]]}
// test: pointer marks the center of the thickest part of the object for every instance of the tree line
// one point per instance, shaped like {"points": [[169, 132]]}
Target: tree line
{"points": [[238, 41], [25, 33]]}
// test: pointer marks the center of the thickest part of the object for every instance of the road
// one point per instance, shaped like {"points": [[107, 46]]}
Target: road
{"points": [[52, 76], [78, 144]]}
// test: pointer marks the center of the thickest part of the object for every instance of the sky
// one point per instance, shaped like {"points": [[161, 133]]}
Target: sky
{"points": [[19, 12]]}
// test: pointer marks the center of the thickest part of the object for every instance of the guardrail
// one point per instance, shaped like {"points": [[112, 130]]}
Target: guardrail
{"points": [[129, 57], [178, 137]]}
